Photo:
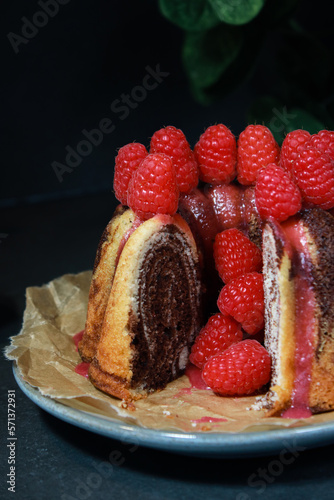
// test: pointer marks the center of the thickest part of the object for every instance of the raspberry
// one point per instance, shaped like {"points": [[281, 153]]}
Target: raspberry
{"points": [[292, 146], [235, 255], [128, 159], [250, 212], [276, 194], [324, 141], [243, 299], [216, 154], [196, 209], [173, 143], [153, 188], [256, 149], [217, 335], [227, 203], [314, 174], [240, 370]]}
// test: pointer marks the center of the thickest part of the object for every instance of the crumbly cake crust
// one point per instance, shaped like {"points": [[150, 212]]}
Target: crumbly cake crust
{"points": [[102, 278]]}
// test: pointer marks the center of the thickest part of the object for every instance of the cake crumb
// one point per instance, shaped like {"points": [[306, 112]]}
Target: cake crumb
{"points": [[258, 405], [127, 405]]}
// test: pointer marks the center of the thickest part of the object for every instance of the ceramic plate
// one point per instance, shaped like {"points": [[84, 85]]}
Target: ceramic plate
{"points": [[217, 445]]}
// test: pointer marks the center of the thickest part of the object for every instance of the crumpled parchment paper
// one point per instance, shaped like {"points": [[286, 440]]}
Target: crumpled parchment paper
{"points": [[46, 357]]}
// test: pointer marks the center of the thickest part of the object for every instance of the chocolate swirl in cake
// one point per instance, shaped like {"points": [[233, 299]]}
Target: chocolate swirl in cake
{"points": [[320, 226], [167, 317]]}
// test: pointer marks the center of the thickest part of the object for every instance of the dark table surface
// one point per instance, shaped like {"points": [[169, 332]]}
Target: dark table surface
{"points": [[57, 460]]}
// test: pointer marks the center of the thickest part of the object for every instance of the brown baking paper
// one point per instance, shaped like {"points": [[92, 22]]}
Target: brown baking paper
{"points": [[46, 358]]}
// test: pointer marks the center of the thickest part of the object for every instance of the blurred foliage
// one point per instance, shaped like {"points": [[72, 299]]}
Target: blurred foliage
{"points": [[223, 40], [281, 120]]}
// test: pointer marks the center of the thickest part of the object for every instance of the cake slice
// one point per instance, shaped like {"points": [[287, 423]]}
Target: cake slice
{"points": [[299, 313], [144, 306], [102, 279]]}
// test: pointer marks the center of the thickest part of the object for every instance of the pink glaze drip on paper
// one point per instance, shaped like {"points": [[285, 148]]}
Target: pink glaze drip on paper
{"points": [[297, 412], [77, 338], [82, 369], [208, 419], [185, 390], [194, 375]]}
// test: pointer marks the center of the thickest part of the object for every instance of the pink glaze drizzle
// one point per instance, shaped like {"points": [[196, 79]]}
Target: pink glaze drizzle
{"points": [[297, 412], [77, 338], [82, 369], [194, 375], [305, 326], [209, 419], [185, 390], [136, 223]]}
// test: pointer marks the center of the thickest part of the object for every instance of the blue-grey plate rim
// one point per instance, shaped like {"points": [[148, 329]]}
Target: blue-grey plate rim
{"points": [[214, 445]]}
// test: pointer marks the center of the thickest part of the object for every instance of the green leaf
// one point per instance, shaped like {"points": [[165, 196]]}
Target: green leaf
{"points": [[280, 119], [237, 11], [268, 111], [190, 15], [206, 55], [303, 119], [239, 69]]}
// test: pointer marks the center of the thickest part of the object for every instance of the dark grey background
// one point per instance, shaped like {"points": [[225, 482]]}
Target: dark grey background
{"points": [[69, 73], [62, 81]]}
